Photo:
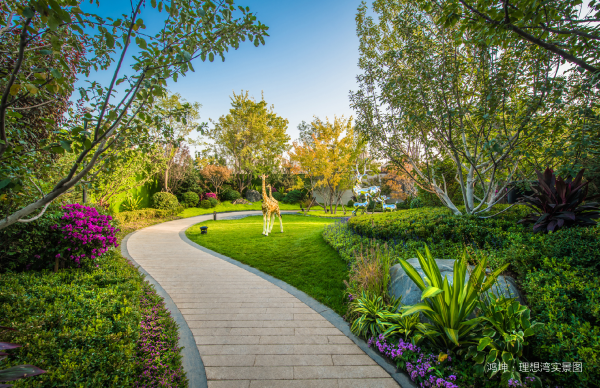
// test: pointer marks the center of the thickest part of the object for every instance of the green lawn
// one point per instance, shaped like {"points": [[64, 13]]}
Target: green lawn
{"points": [[299, 256], [226, 206]]}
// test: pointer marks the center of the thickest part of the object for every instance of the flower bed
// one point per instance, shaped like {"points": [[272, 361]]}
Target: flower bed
{"points": [[158, 354]]}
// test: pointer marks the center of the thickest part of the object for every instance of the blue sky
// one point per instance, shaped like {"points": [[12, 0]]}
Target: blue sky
{"points": [[306, 68]]}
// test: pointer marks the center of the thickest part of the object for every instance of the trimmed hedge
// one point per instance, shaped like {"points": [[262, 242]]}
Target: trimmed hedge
{"points": [[164, 201], [190, 199], [205, 204], [293, 196], [230, 195], [213, 202], [145, 214]]}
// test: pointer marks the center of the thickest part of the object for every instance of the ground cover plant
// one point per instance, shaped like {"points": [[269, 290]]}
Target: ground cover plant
{"points": [[299, 256], [93, 326], [227, 206], [158, 356], [556, 272]]}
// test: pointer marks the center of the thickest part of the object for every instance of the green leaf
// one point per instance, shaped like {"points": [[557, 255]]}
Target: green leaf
{"points": [[46, 52], [430, 292], [483, 343], [19, 372], [28, 13], [4, 183], [211, 57], [55, 73], [153, 3], [110, 40], [66, 145], [14, 90]]}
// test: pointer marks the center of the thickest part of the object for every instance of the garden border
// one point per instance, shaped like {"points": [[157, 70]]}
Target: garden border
{"points": [[327, 313], [191, 360]]}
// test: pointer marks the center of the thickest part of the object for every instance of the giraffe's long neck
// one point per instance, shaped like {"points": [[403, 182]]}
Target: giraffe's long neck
{"points": [[264, 191]]}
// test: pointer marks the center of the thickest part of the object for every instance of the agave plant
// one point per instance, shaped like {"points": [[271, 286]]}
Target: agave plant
{"points": [[558, 203], [448, 306], [16, 372]]}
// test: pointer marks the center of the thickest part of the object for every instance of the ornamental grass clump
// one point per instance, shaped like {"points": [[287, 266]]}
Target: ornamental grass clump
{"points": [[158, 357], [86, 234]]}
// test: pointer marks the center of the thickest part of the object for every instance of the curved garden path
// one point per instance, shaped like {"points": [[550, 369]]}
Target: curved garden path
{"points": [[249, 332]]}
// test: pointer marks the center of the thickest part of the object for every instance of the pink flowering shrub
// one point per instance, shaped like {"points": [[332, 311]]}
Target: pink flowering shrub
{"points": [[211, 195], [158, 359], [85, 235]]}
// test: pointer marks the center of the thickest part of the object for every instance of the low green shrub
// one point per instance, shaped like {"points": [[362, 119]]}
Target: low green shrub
{"points": [[293, 196], [567, 300], [145, 214], [22, 242], [164, 201], [230, 195], [80, 326], [416, 203], [190, 199], [205, 204], [350, 203], [278, 196], [213, 202]]}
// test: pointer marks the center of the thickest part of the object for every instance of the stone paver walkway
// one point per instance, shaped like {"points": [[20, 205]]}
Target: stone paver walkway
{"points": [[250, 333]]}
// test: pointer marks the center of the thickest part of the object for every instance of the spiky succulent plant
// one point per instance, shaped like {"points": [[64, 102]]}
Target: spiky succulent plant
{"points": [[559, 203]]}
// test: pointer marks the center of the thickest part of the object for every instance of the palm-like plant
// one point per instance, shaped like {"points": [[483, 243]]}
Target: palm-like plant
{"points": [[558, 203], [448, 306]]}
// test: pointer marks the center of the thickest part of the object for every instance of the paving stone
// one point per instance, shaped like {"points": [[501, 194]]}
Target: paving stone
{"points": [[251, 373], [291, 360], [339, 339], [229, 384], [318, 331], [326, 349], [230, 360], [294, 384], [356, 359], [368, 383], [249, 349], [338, 372], [294, 339], [227, 340]]}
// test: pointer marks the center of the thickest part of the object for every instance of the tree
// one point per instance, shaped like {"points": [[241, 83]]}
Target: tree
{"points": [[189, 30], [216, 175], [567, 28], [328, 158], [252, 137], [399, 182], [130, 170], [428, 94], [175, 119]]}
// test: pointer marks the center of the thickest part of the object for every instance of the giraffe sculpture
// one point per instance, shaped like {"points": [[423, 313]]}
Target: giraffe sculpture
{"points": [[274, 210], [265, 207]]}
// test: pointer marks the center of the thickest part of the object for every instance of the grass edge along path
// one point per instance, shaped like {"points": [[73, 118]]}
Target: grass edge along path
{"points": [[299, 256]]}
